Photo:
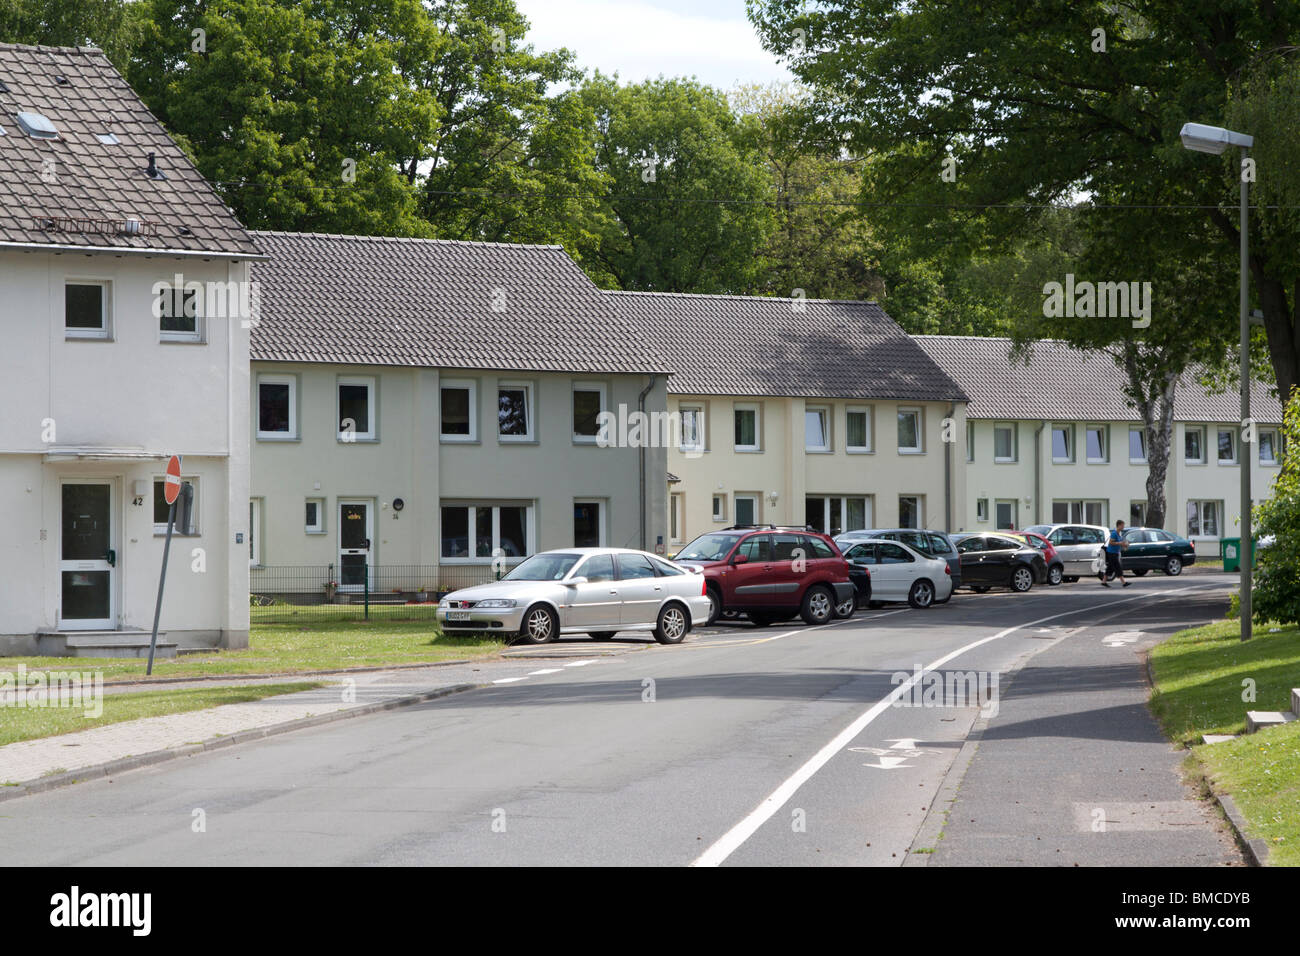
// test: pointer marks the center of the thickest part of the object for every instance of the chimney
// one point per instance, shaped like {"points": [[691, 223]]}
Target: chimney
{"points": [[153, 172]]}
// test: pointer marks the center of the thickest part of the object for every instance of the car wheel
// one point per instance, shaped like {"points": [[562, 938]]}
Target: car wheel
{"points": [[1022, 579], [1174, 566], [846, 607], [922, 594], [601, 635], [1138, 572], [980, 588], [715, 605], [1055, 575], [672, 625], [818, 605], [540, 626]]}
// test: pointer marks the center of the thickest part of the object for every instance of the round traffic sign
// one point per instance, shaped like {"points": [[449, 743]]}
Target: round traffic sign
{"points": [[172, 480]]}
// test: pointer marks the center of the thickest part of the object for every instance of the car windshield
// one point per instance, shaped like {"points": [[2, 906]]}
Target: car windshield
{"points": [[708, 547], [552, 566]]}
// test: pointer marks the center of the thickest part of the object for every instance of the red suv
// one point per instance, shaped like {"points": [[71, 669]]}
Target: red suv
{"points": [[772, 574]]}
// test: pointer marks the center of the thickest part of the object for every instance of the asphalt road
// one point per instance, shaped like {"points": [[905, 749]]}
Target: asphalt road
{"points": [[783, 745]]}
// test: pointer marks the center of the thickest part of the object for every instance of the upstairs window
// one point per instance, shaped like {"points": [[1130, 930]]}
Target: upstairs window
{"points": [[86, 309]]}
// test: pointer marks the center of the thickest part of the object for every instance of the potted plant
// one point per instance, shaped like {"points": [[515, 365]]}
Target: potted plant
{"points": [[331, 589]]}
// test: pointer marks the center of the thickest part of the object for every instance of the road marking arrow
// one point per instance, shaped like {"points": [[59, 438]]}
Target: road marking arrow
{"points": [[889, 763], [906, 743]]}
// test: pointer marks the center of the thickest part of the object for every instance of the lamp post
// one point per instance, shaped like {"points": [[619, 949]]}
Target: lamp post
{"points": [[1215, 139]]}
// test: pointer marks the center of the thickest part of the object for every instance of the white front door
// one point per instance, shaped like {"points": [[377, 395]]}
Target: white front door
{"points": [[87, 559], [356, 530]]}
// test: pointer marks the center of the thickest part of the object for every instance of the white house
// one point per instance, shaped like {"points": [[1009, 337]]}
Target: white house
{"points": [[102, 380]]}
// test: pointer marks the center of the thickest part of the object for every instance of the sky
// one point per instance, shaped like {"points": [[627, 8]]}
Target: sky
{"points": [[709, 39]]}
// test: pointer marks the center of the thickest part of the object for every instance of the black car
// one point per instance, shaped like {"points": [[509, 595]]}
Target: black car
{"points": [[999, 561], [932, 544], [1155, 549]]}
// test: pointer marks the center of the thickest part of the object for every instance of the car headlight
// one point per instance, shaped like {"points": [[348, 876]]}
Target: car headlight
{"points": [[443, 603], [495, 602]]}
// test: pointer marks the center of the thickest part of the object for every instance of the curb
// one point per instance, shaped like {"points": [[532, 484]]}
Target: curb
{"points": [[153, 681], [123, 764]]}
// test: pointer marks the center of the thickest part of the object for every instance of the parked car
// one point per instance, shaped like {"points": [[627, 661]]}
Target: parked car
{"points": [[886, 570], [772, 574], [1055, 566], [1077, 544], [599, 591], [999, 561], [1155, 549], [933, 544]]}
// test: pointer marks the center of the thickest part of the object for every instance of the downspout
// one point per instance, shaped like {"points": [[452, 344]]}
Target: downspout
{"points": [[640, 407], [1038, 473], [947, 475]]}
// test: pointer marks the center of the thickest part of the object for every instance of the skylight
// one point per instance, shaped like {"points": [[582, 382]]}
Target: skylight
{"points": [[37, 126], [108, 139]]}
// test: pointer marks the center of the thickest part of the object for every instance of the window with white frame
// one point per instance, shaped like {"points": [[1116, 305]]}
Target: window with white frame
{"points": [[970, 441], [1194, 445], [692, 419], [161, 509], [88, 308], [981, 509], [458, 410], [1267, 439], [1004, 443], [719, 507], [836, 514], [910, 431], [1005, 511], [277, 407], [1137, 513], [254, 532], [1137, 445], [1203, 518], [676, 517], [588, 403], [180, 313], [1096, 438], [747, 434], [356, 409], [314, 518], [746, 508], [1079, 511], [589, 524], [514, 411], [817, 428], [1227, 446], [1063, 444], [478, 532], [910, 511], [857, 430]]}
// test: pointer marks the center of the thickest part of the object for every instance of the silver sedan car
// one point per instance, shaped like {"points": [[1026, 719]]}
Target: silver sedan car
{"points": [[597, 591]]}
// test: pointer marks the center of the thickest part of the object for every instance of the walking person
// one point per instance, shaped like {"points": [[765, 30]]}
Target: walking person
{"points": [[1115, 543]]}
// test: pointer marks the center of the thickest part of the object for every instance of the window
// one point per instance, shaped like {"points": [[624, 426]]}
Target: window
{"points": [[588, 524], [1267, 447], [756, 547], [746, 509], [816, 429], [1004, 443], [458, 411], [254, 532], [835, 515], [588, 403], [1005, 513], [1079, 512], [87, 309], [356, 411], [1098, 448], [857, 436], [981, 509], [746, 421], [161, 508], [909, 431], [1227, 447], [514, 411], [892, 554], [1193, 445], [597, 568], [633, 566], [1137, 514], [1137, 445], [1063, 444], [675, 518], [692, 428], [1203, 518], [315, 516], [970, 441], [719, 507], [277, 406], [909, 511], [179, 313], [497, 531]]}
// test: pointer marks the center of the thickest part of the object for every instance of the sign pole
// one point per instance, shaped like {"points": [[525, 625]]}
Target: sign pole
{"points": [[162, 580]]}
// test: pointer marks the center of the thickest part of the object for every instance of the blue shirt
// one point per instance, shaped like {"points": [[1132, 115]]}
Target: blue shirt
{"points": [[1112, 542]]}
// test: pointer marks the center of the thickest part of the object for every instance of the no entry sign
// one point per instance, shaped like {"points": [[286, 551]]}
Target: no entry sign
{"points": [[172, 481]]}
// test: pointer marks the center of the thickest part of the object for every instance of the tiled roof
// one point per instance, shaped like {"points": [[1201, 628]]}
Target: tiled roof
{"points": [[750, 345], [437, 303], [1061, 382], [90, 188]]}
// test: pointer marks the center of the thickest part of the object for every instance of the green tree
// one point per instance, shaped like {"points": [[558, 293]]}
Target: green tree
{"points": [[1276, 593], [111, 25]]}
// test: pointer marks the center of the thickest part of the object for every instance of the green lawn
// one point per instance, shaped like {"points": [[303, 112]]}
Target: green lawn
{"points": [[295, 648], [1199, 677], [28, 723]]}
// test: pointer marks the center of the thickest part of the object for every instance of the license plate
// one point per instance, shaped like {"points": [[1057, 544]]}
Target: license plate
{"points": [[458, 615]]}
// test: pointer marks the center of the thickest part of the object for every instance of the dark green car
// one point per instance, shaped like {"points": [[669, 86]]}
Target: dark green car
{"points": [[1154, 549]]}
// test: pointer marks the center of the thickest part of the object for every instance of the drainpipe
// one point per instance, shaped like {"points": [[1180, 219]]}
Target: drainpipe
{"points": [[640, 407], [947, 475], [1038, 473]]}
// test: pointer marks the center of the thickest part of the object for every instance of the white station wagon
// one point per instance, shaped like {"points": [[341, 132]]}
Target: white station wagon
{"points": [[597, 591]]}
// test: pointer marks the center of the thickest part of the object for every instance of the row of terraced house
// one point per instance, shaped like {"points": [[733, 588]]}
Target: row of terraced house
{"points": [[362, 404]]}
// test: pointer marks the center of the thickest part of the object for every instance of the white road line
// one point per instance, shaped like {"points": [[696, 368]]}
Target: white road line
{"points": [[581, 663], [732, 840], [545, 670], [506, 680]]}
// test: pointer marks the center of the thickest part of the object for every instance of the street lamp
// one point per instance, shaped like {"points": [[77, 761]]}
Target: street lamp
{"points": [[1215, 139]]}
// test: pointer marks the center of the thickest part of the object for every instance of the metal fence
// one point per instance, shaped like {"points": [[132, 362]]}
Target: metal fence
{"points": [[284, 594]]}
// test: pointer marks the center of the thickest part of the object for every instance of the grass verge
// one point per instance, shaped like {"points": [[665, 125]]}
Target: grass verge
{"points": [[1200, 677]]}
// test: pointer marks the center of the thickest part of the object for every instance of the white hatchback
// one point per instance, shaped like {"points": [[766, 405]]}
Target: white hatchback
{"points": [[898, 572]]}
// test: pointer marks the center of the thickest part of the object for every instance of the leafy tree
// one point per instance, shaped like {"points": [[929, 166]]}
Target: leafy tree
{"points": [[110, 25], [1276, 593]]}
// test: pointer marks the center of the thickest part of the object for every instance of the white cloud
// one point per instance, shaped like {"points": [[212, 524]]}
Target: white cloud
{"points": [[644, 38]]}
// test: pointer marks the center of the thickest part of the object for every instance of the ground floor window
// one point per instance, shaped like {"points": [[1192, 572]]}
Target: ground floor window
{"points": [[981, 509], [255, 532], [161, 509], [1137, 514], [675, 518], [1203, 518], [480, 532], [746, 509], [834, 514], [909, 511], [588, 524], [1079, 512]]}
